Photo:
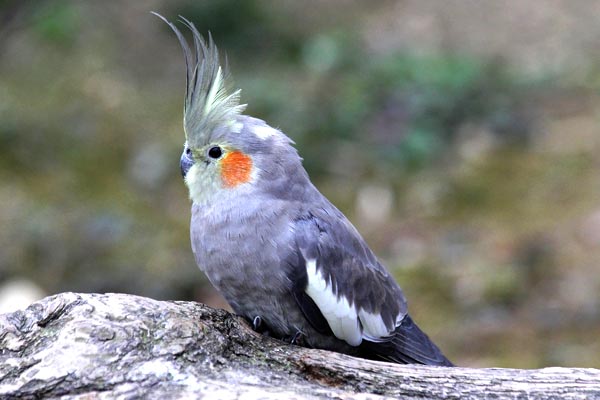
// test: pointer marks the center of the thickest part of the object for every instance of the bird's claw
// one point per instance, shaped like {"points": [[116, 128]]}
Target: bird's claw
{"points": [[256, 323], [259, 326], [297, 338]]}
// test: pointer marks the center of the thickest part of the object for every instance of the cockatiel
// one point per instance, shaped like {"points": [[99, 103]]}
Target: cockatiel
{"points": [[280, 253]]}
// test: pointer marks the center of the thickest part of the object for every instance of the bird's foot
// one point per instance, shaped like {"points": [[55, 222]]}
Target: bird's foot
{"points": [[259, 326], [297, 338], [256, 323]]}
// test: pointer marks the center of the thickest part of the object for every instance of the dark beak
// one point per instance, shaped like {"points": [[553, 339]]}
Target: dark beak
{"points": [[185, 163]]}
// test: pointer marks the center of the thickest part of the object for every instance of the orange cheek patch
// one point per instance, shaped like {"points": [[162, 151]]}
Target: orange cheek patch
{"points": [[235, 169]]}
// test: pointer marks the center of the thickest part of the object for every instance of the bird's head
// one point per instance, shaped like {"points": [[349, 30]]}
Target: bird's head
{"points": [[224, 150]]}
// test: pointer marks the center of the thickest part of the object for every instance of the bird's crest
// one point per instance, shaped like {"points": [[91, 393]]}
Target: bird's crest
{"points": [[209, 100]]}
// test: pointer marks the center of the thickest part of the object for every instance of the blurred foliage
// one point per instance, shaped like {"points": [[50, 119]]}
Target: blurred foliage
{"points": [[56, 21], [411, 105], [492, 223]]}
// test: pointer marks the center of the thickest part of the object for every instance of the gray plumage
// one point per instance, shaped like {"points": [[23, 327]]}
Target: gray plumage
{"points": [[208, 102], [271, 243]]}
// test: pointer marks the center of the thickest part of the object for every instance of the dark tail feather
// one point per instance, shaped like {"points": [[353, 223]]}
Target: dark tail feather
{"points": [[407, 345]]}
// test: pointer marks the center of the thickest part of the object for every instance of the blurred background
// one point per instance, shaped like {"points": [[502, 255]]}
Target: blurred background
{"points": [[461, 137]]}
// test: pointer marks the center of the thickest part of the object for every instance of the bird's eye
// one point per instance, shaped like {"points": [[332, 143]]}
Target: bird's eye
{"points": [[215, 152], [188, 151]]}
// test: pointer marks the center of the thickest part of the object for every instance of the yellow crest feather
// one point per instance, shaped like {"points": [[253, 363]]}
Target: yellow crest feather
{"points": [[208, 100]]}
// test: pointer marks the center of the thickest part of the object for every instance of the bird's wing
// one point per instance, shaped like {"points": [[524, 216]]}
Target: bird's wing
{"points": [[338, 282], [343, 290], [408, 345]]}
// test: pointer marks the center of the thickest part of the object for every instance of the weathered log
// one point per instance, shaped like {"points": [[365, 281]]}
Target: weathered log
{"points": [[87, 346]]}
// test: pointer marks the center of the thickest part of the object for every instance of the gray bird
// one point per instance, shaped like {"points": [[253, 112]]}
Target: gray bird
{"points": [[280, 253]]}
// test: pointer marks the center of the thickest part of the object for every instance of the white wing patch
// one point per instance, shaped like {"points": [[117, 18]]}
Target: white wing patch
{"points": [[374, 328], [342, 317], [264, 132]]}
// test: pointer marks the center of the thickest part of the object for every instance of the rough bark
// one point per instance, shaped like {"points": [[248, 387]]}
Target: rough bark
{"points": [[87, 346]]}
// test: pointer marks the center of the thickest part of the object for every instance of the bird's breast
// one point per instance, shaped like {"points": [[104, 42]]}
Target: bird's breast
{"points": [[238, 250]]}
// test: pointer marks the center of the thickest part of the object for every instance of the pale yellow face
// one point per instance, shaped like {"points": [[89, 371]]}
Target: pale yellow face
{"points": [[211, 175]]}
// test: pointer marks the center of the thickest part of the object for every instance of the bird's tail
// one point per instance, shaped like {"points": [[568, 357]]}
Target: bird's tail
{"points": [[407, 345]]}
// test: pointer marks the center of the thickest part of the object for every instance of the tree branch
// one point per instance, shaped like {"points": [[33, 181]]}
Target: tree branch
{"points": [[93, 345]]}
